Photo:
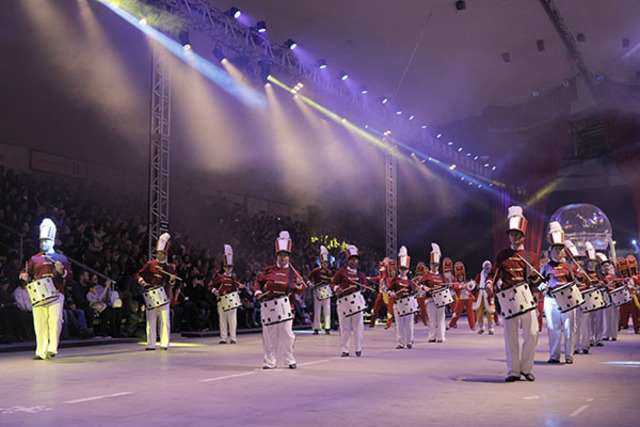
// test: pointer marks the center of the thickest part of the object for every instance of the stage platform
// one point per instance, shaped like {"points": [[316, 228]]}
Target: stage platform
{"points": [[199, 382]]}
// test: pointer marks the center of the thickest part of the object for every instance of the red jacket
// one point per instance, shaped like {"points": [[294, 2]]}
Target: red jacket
{"points": [[513, 270], [42, 265], [346, 282]]}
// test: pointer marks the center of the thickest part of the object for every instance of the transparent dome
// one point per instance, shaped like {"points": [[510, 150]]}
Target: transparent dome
{"points": [[583, 222]]}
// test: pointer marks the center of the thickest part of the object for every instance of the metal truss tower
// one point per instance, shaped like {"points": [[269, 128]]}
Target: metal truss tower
{"points": [[159, 151], [391, 200]]}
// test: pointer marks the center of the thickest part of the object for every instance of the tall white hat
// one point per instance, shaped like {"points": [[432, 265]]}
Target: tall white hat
{"points": [[436, 254], [283, 242], [228, 255], [163, 242], [404, 260], [517, 221], [352, 251], [556, 234], [324, 254], [47, 230]]}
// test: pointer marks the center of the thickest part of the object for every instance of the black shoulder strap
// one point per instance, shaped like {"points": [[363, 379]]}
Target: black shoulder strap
{"points": [[290, 278], [527, 269]]}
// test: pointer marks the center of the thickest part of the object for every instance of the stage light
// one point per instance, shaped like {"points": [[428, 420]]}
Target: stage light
{"points": [[634, 242], [234, 12], [493, 168], [218, 54], [363, 90], [322, 64], [535, 93], [398, 112], [460, 150], [265, 70], [468, 154], [384, 100], [438, 136], [343, 76], [142, 22], [290, 44], [452, 167], [449, 143], [183, 38], [424, 126], [475, 158], [261, 27], [411, 117], [486, 165]]}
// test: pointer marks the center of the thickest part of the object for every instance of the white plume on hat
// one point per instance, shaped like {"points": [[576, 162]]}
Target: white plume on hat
{"points": [[228, 255], [590, 251], [404, 260], [283, 242], [568, 244], [324, 253], [47, 230], [436, 254], [163, 242]]}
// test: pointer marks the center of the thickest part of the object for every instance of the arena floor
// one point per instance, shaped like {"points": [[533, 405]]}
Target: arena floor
{"points": [[199, 382]]}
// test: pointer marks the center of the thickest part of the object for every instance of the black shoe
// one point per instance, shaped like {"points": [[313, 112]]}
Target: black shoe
{"points": [[38, 358], [233, 342], [51, 355], [439, 341], [358, 353], [163, 348], [315, 332], [599, 344], [490, 332], [327, 332], [409, 346], [293, 366], [585, 351], [512, 379], [569, 361], [222, 342], [432, 340], [605, 339], [614, 339], [576, 352], [149, 349], [344, 354], [528, 377], [399, 347], [553, 361]]}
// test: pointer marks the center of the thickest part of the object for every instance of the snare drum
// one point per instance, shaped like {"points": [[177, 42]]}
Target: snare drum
{"points": [[42, 291], [442, 297], [606, 297], [155, 297], [593, 300], [405, 306], [567, 296], [351, 304], [516, 300], [620, 296], [275, 311], [323, 292], [230, 301]]}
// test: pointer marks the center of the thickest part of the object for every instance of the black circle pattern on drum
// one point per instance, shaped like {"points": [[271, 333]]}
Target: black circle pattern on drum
{"points": [[516, 301]]}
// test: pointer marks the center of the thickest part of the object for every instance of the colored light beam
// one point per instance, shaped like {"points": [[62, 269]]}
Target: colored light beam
{"points": [[246, 94]]}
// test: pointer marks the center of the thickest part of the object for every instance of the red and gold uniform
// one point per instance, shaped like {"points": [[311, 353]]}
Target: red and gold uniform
{"points": [[612, 313], [464, 297], [321, 276], [276, 282], [485, 298], [421, 296], [47, 317], [226, 284], [628, 309], [430, 282], [345, 282], [402, 287]]}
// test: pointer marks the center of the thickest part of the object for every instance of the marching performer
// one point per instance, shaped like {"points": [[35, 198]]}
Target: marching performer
{"points": [[401, 287], [421, 296], [433, 281], [512, 268], [464, 297], [279, 283], [382, 297], [628, 309], [558, 272], [634, 288], [583, 320], [320, 280], [347, 281], [54, 269], [159, 273], [226, 284], [485, 299], [611, 313]]}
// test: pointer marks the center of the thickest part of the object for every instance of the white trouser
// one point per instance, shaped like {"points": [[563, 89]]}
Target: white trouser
{"points": [[321, 313], [351, 325], [277, 341], [228, 323], [597, 326], [583, 337], [47, 323], [559, 324], [521, 362], [164, 314], [437, 325], [611, 320], [404, 329]]}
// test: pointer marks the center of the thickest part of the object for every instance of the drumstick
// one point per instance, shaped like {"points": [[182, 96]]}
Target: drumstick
{"points": [[171, 276], [360, 284], [531, 266], [581, 269]]}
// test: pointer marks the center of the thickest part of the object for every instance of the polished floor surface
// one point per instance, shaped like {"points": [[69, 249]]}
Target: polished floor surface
{"points": [[199, 382]]}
